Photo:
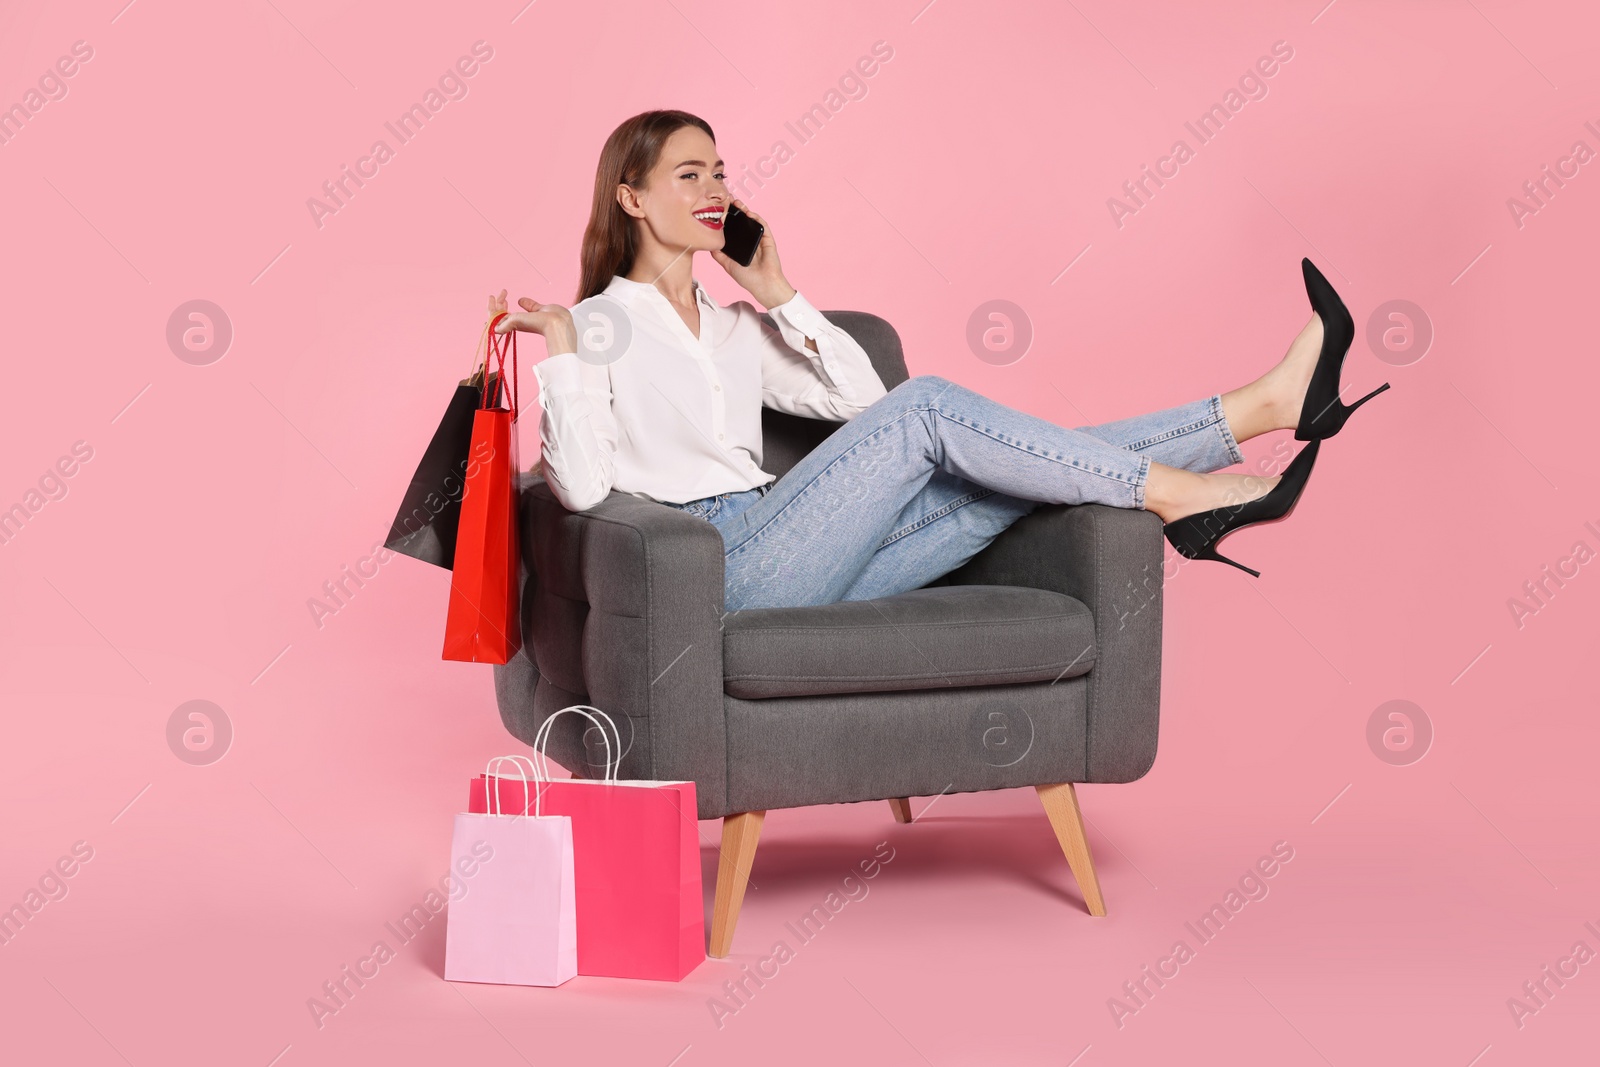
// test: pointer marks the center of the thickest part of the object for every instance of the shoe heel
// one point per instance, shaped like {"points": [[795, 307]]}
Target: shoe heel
{"points": [[1366, 398], [1220, 558]]}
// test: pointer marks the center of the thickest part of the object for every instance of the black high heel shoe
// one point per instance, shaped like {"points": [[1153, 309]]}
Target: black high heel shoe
{"points": [[1196, 536], [1322, 414]]}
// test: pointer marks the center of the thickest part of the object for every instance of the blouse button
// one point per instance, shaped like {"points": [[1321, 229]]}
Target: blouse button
{"points": [[718, 388], [719, 437]]}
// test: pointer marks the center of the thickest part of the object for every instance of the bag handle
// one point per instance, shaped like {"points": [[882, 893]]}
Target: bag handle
{"points": [[542, 739], [500, 346], [491, 791], [479, 371], [477, 362]]}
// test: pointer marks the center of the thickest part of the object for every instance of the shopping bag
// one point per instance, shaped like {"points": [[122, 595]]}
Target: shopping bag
{"points": [[481, 623], [516, 921], [430, 511], [636, 857]]}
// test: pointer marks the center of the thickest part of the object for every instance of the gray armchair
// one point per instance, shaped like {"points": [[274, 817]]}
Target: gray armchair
{"points": [[1037, 663]]}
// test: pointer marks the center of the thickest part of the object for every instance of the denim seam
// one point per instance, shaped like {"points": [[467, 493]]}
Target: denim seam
{"points": [[1136, 483], [993, 435], [756, 534], [1175, 432], [1217, 419], [933, 516], [699, 508], [1226, 430]]}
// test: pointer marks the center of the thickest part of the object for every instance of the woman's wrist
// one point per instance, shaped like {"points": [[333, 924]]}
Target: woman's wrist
{"points": [[780, 292], [562, 337]]}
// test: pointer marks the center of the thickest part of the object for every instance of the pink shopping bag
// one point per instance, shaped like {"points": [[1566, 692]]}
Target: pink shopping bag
{"points": [[517, 922], [636, 857]]}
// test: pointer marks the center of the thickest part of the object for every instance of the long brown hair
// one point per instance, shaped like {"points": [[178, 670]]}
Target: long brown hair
{"points": [[631, 152]]}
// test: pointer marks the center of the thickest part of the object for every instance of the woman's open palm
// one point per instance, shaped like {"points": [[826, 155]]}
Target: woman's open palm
{"points": [[552, 321]]}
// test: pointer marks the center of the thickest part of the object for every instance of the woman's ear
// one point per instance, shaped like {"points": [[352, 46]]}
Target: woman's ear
{"points": [[629, 199]]}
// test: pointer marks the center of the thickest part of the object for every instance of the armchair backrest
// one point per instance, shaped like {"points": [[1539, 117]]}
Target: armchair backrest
{"points": [[787, 439]]}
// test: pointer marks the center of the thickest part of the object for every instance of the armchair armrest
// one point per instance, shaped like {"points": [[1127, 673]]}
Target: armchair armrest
{"points": [[1111, 560], [622, 608]]}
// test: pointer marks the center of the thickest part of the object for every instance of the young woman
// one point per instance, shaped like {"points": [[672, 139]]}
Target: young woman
{"points": [[651, 388]]}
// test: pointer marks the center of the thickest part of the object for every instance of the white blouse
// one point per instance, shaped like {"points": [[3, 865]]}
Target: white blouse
{"points": [[673, 417]]}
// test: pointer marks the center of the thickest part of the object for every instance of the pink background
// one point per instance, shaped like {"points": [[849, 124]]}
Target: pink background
{"points": [[221, 497]]}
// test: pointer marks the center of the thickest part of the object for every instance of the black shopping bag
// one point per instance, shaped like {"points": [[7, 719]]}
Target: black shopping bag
{"points": [[430, 513]]}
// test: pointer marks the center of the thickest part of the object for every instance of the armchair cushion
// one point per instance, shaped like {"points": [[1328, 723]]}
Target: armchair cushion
{"points": [[1109, 559], [931, 638]]}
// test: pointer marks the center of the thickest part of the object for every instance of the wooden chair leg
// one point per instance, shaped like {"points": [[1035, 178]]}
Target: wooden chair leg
{"points": [[1061, 805], [740, 835], [901, 806]]}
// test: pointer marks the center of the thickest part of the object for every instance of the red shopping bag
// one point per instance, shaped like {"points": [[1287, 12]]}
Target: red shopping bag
{"points": [[482, 625], [515, 920], [636, 864]]}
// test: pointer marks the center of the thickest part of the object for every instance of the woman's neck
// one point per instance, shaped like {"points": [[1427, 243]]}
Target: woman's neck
{"points": [[670, 270]]}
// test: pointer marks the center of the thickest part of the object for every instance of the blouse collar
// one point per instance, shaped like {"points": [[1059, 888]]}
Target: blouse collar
{"points": [[625, 288]]}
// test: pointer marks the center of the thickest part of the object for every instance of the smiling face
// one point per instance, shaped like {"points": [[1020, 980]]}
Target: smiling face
{"points": [[682, 202]]}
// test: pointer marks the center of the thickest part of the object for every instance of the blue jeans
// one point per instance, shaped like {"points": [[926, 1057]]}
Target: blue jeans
{"points": [[924, 479]]}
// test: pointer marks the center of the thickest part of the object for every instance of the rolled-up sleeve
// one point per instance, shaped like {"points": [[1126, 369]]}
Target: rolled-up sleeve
{"points": [[577, 430], [836, 382]]}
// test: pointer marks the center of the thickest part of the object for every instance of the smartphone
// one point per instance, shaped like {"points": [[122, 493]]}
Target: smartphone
{"points": [[741, 236]]}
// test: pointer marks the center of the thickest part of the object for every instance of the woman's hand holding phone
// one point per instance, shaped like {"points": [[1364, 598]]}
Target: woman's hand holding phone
{"points": [[552, 321], [763, 278]]}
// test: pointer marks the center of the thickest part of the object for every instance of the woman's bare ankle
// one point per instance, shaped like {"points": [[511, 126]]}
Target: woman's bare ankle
{"points": [[1174, 494], [1165, 489]]}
